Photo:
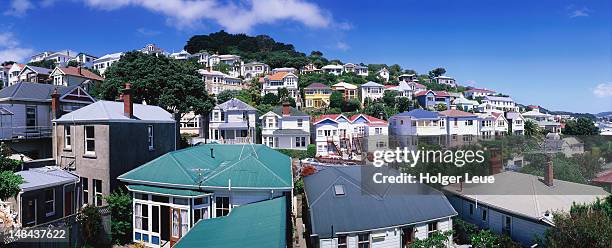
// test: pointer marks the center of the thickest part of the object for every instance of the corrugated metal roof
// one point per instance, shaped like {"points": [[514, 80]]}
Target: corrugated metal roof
{"points": [[233, 165], [256, 225], [420, 114], [362, 208], [372, 84], [44, 177], [292, 111], [32, 91], [234, 104], [166, 191], [109, 111]]}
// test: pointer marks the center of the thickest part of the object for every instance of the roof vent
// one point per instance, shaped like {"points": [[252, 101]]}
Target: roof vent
{"points": [[339, 189]]}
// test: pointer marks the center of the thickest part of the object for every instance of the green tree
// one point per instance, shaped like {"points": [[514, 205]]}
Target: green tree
{"points": [[120, 206], [283, 95], [336, 100], [226, 95], [9, 184], [311, 150], [376, 110], [91, 223], [73, 63], [485, 239], [389, 97], [437, 72], [436, 240], [403, 104], [270, 99], [49, 64], [531, 129], [440, 107], [581, 126], [351, 105]]}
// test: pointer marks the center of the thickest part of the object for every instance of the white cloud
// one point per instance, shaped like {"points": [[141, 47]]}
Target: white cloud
{"points": [[18, 8], [234, 16], [47, 3], [578, 12], [147, 32], [342, 46], [10, 49], [603, 90]]}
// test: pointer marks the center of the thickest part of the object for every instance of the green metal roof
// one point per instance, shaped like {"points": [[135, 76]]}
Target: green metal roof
{"points": [[245, 166], [166, 191], [262, 224]]}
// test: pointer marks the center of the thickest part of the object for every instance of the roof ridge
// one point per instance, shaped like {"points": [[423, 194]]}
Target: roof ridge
{"points": [[271, 171], [181, 168]]}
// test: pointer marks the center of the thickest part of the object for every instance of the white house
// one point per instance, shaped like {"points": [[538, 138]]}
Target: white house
{"points": [[285, 128], [492, 124], [40, 56], [278, 80], [464, 104], [403, 89], [102, 63], [476, 92], [153, 49], [254, 69], [445, 80], [71, 76], [62, 58], [234, 62], [285, 69], [333, 69], [544, 121], [232, 122], [182, 55], [344, 212], [338, 135], [355, 68], [407, 77], [34, 74], [516, 123], [371, 90], [460, 123], [13, 73], [501, 103], [85, 60], [384, 74], [203, 58], [217, 82], [417, 122], [4, 75]]}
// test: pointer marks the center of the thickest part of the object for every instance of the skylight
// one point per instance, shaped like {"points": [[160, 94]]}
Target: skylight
{"points": [[339, 189]]}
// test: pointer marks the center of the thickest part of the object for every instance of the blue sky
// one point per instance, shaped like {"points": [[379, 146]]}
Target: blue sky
{"points": [[555, 53]]}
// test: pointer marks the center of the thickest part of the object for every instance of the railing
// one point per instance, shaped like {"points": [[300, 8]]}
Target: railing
{"points": [[26, 132], [236, 140]]}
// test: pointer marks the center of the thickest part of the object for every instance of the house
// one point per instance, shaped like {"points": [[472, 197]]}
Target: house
{"points": [[191, 124], [445, 80], [460, 126], [339, 135], [34, 74], [407, 78], [349, 91], [455, 95], [4, 76], [430, 98], [333, 69], [417, 122], [217, 82], [232, 61], [209, 181], [416, 87], [91, 142], [501, 102], [604, 180], [254, 69], [465, 104], [309, 68], [355, 68], [544, 121], [26, 111], [13, 73], [182, 55], [476, 92], [232, 122], [74, 76], [519, 205], [371, 90], [285, 69], [259, 224], [85, 60], [403, 90], [384, 74], [62, 58], [346, 210], [271, 84], [516, 123], [317, 95], [40, 56], [568, 146], [47, 194], [487, 107], [492, 125], [285, 128], [153, 49], [102, 63]]}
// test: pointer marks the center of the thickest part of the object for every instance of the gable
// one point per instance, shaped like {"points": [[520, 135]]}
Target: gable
{"points": [[361, 119], [77, 95], [327, 122], [342, 119]]}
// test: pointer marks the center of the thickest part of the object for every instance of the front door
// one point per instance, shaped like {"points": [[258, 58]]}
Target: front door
{"points": [[175, 225], [68, 203], [407, 236]]}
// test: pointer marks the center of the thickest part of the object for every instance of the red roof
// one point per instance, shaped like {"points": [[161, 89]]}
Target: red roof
{"points": [[372, 121], [533, 107], [328, 116], [496, 114], [606, 177], [456, 113], [74, 71], [388, 86], [418, 85], [369, 118], [436, 93]]}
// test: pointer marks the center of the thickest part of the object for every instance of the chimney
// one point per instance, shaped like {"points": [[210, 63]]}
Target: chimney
{"points": [[79, 70], [212, 153], [548, 173], [55, 104], [128, 105], [286, 109], [495, 163]]}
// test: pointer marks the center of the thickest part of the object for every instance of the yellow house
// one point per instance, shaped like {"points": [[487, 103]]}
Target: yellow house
{"points": [[317, 95]]}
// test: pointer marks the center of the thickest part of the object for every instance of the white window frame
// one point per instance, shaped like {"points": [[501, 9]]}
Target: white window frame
{"points": [[96, 193], [47, 213], [368, 241], [150, 135], [431, 231], [228, 207], [67, 137], [86, 139]]}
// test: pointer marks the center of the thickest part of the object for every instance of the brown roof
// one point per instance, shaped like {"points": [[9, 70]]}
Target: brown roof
{"points": [[74, 71], [456, 113], [277, 76]]}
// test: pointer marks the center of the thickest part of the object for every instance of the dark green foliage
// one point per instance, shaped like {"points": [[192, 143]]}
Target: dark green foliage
{"points": [[270, 99], [49, 64], [351, 105], [581, 126], [299, 154], [376, 110], [437, 240], [9, 184], [389, 97], [227, 95], [73, 63], [532, 129], [324, 78], [336, 100], [437, 72], [403, 104], [311, 150], [298, 186], [91, 225], [440, 107], [120, 206]]}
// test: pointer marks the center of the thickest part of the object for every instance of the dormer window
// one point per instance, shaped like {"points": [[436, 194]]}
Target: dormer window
{"points": [[339, 190]]}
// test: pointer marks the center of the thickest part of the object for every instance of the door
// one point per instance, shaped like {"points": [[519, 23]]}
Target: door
{"points": [[407, 236], [175, 226], [68, 206]]}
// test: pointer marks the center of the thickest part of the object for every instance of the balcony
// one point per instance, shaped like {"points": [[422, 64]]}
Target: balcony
{"points": [[25, 133]]}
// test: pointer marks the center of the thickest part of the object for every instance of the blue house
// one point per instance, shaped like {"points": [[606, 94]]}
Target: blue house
{"points": [[431, 98]]}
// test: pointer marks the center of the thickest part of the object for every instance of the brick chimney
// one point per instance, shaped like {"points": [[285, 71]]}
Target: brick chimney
{"points": [[128, 105], [286, 109], [495, 163], [80, 70], [55, 104], [548, 173]]}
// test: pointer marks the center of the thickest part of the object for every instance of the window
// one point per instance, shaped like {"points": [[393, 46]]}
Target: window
{"points": [[90, 140], [342, 241], [339, 189], [299, 122], [85, 182], [222, 206], [30, 116], [49, 202], [155, 220], [432, 228], [471, 209], [484, 215], [98, 192], [150, 137], [67, 138], [363, 240], [142, 216], [507, 225], [300, 141], [469, 122]]}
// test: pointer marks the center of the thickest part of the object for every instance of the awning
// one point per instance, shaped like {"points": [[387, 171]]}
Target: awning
{"points": [[166, 191]]}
